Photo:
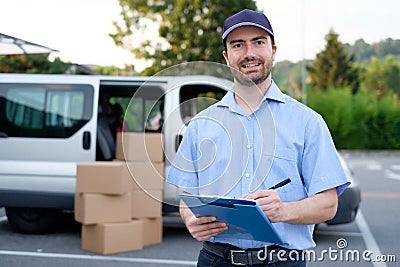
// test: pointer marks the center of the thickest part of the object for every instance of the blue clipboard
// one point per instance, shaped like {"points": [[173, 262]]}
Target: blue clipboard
{"points": [[244, 217]]}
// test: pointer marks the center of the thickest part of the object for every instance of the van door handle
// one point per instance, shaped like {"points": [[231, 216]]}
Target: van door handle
{"points": [[178, 140], [3, 135], [86, 140]]}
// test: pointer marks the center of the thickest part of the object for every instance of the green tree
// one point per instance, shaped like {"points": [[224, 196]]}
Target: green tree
{"points": [[37, 63], [333, 67], [128, 70], [361, 50], [382, 77], [189, 30], [389, 46]]}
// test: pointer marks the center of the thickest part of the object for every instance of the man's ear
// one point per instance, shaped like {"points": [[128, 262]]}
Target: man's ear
{"points": [[274, 52], [225, 54]]}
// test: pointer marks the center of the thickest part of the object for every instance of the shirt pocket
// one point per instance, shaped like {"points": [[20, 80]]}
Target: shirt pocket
{"points": [[285, 163], [284, 153], [285, 166]]}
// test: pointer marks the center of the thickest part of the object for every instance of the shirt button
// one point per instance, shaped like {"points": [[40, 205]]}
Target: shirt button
{"points": [[247, 175], [248, 146], [249, 118]]}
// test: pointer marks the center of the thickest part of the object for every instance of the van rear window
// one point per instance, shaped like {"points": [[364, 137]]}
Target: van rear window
{"points": [[44, 110]]}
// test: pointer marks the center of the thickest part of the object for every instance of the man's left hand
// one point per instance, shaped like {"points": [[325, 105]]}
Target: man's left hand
{"points": [[311, 210], [270, 202]]}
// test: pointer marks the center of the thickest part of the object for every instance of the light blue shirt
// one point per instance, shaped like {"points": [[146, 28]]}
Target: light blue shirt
{"points": [[227, 152]]}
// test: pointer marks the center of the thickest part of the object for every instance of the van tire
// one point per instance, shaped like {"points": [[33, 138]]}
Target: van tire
{"points": [[32, 220]]}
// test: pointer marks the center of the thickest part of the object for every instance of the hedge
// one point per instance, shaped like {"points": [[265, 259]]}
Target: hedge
{"points": [[359, 121]]}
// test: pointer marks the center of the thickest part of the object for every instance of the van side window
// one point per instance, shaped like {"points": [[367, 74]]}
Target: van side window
{"points": [[23, 108], [196, 97], [44, 110], [154, 117], [142, 106]]}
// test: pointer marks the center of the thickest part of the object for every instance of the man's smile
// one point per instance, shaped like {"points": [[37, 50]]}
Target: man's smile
{"points": [[250, 67]]}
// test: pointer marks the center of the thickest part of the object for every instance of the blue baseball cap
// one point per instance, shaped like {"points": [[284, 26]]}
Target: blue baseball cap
{"points": [[247, 17]]}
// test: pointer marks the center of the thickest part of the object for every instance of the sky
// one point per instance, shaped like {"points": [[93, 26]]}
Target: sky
{"points": [[79, 29]]}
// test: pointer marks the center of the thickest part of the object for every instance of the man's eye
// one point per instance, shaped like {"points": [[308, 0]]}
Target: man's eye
{"points": [[237, 45], [260, 42]]}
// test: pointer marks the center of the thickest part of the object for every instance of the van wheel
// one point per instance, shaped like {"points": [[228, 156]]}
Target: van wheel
{"points": [[32, 220]]}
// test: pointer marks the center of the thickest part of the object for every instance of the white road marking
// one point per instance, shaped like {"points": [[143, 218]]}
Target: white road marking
{"points": [[392, 175], [371, 165], [161, 262], [364, 163], [374, 167], [395, 167], [369, 239]]}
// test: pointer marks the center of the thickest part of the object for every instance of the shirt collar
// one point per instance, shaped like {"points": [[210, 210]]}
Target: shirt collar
{"points": [[273, 93]]}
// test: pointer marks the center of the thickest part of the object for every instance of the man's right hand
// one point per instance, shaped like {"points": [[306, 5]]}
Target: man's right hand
{"points": [[201, 228]]}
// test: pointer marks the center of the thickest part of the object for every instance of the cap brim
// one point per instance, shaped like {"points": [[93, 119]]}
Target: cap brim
{"points": [[246, 23]]}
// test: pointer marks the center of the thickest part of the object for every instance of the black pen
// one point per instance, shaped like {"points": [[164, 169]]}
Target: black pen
{"points": [[280, 184]]}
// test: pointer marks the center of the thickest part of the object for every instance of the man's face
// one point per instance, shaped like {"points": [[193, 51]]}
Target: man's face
{"points": [[249, 50]]}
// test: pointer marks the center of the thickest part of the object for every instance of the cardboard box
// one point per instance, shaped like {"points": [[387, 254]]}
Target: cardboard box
{"points": [[146, 174], [107, 238], [146, 204], [152, 231], [104, 177], [93, 208], [140, 147]]}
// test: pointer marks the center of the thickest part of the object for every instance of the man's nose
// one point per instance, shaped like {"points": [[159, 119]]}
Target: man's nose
{"points": [[250, 51]]}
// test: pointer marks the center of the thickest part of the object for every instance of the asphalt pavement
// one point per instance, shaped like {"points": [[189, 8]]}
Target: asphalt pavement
{"points": [[373, 236]]}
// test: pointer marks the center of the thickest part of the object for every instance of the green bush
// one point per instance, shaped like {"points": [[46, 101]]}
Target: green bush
{"points": [[359, 121], [335, 107], [364, 107], [385, 123]]}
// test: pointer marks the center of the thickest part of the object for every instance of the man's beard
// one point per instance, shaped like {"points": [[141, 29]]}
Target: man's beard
{"points": [[245, 80]]}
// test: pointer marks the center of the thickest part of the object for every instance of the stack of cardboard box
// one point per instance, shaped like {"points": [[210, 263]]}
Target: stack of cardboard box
{"points": [[119, 203], [144, 155]]}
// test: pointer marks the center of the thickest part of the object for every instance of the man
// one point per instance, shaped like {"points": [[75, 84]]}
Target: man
{"points": [[255, 137]]}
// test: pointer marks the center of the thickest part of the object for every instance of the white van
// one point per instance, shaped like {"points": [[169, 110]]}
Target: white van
{"points": [[49, 123]]}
